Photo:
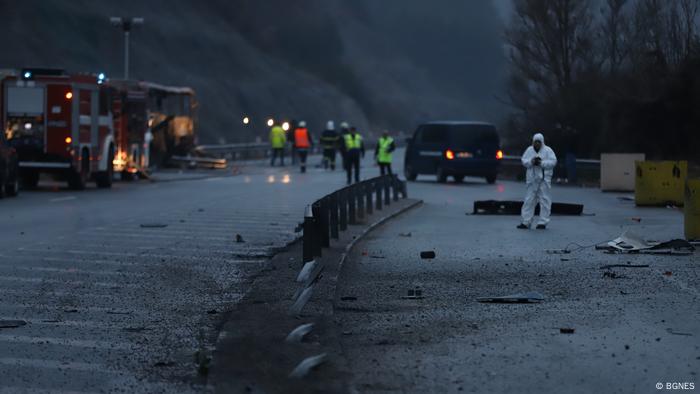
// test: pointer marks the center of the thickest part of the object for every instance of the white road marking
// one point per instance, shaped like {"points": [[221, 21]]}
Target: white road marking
{"points": [[54, 364], [86, 343]]}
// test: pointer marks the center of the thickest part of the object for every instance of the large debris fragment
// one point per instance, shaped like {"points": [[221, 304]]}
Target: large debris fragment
{"points": [[520, 298], [495, 207], [632, 243]]}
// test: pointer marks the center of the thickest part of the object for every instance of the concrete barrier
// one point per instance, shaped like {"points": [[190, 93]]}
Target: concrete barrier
{"points": [[660, 182], [691, 209]]}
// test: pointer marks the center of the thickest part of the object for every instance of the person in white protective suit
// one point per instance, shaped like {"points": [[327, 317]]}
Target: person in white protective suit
{"points": [[539, 161]]}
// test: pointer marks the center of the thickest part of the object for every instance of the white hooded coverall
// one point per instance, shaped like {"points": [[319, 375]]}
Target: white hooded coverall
{"points": [[539, 181]]}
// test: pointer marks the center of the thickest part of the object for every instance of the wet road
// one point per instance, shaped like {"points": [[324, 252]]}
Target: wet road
{"points": [[631, 331], [121, 288]]}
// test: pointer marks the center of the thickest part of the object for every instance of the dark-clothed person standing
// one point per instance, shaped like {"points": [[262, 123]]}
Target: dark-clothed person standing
{"points": [[354, 151], [329, 142]]}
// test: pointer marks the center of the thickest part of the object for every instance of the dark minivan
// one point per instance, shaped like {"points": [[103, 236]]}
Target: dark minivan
{"points": [[456, 149]]}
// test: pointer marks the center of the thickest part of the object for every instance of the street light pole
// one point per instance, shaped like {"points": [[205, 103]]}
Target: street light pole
{"points": [[126, 24]]}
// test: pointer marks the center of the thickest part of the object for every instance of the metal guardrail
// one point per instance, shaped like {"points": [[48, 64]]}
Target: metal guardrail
{"points": [[325, 218]]}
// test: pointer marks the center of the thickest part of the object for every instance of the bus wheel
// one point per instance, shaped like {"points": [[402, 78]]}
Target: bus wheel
{"points": [[104, 178], [29, 179]]}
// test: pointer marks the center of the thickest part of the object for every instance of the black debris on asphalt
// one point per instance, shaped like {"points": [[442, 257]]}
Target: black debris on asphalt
{"points": [[427, 254], [12, 323], [519, 298], [153, 225]]}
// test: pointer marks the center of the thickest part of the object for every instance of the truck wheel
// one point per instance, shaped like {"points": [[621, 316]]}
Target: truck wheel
{"points": [[491, 179], [12, 184], [77, 180], [441, 176], [409, 173], [104, 178], [29, 179]]}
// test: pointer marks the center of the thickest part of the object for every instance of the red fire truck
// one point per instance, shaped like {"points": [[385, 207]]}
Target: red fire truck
{"points": [[60, 124]]}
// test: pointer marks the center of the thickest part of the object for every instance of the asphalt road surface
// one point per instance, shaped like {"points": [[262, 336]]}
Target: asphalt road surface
{"points": [[632, 329], [121, 288]]}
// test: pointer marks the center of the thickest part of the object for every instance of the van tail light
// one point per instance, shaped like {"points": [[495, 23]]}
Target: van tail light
{"points": [[499, 154], [449, 154]]}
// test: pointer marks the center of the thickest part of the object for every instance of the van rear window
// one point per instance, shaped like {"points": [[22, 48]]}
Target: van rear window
{"points": [[470, 136]]}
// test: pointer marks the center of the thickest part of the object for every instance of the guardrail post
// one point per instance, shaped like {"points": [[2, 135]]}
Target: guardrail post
{"points": [[316, 210], [378, 191], [343, 204], [368, 195], [334, 215], [352, 200], [387, 189], [359, 193], [325, 239], [307, 248]]}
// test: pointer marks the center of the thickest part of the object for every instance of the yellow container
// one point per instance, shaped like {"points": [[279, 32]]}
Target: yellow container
{"points": [[692, 209], [660, 182]]}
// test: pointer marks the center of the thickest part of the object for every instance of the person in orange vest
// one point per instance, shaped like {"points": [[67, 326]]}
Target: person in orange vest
{"points": [[302, 143]]}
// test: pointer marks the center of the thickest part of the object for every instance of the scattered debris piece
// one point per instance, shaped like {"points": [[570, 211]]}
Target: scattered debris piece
{"points": [[212, 312], [348, 298], [428, 254], [12, 323], [239, 239], [494, 207], [613, 275], [306, 365], [563, 259], [376, 256], [153, 225], [565, 330], [405, 234], [70, 310], [520, 298], [638, 220], [624, 266], [623, 292], [347, 332], [625, 198], [164, 364], [118, 312], [558, 251], [134, 329], [672, 332], [414, 294], [631, 243], [668, 273], [298, 334]]}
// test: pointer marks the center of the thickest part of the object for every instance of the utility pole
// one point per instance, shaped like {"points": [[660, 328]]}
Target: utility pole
{"points": [[126, 24]]}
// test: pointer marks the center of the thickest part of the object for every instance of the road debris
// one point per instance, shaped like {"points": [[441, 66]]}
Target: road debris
{"points": [[298, 334], [306, 365], [638, 220], [428, 254], [494, 207], [519, 298], [153, 225], [405, 234], [164, 364], [134, 329], [565, 330], [239, 239], [668, 273], [624, 266], [613, 275], [632, 243], [348, 298], [672, 332], [212, 312], [625, 198], [414, 294], [12, 323], [557, 251]]}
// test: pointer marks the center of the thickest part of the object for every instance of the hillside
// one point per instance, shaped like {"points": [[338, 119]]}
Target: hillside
{"points": [[378, 64]]}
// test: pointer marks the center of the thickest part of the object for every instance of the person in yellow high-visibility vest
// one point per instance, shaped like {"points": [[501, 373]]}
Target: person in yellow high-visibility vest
{"points": [[278, 138], [354, 150], [383, 153]]}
